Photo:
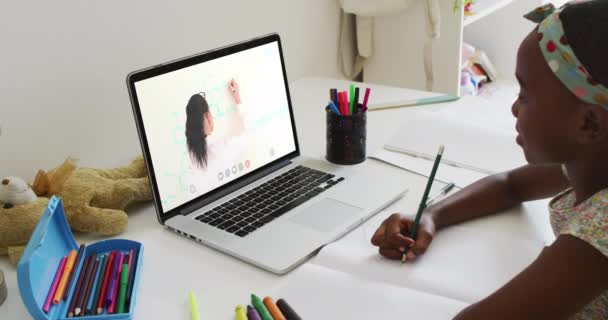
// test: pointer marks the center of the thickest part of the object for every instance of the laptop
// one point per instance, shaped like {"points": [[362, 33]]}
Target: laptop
{"points": [[219, 139]]}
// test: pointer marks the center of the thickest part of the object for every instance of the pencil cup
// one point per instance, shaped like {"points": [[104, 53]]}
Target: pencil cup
{"points": [[345, 137]]}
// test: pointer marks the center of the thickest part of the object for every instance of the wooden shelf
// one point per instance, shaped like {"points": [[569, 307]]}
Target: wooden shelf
{"points": [[483, 8]]}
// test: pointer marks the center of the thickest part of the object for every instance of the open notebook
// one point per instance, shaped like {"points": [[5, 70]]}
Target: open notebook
{"points": [[465, 263]]}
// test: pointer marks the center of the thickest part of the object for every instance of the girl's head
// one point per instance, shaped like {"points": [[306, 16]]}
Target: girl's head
{"points": [[562, 108], [199, 125]]}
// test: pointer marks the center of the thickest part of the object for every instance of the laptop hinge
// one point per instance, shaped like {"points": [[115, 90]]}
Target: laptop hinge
{"points": [[228, 190]]}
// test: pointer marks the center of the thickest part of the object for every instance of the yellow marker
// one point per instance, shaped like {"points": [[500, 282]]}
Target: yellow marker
{"points": [[193, 307], [69, 264], [241, 313]]}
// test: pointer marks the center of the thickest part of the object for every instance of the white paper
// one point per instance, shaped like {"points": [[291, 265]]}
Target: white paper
{"points": [[316, 292], [466, 262], [467, 145], [445, 173]]}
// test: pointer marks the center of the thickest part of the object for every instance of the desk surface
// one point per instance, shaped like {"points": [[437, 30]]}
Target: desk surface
{"points": [[174, 265]]}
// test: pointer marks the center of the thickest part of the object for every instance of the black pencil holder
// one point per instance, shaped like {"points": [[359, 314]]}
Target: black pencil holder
{"points": [[345, 137]]}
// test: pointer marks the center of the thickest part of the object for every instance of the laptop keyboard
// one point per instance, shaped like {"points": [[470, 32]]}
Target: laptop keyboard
{"points": [[268, 201]]}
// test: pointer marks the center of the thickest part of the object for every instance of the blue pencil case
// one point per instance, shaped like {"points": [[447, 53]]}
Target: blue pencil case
{"points": [[51, 241]]}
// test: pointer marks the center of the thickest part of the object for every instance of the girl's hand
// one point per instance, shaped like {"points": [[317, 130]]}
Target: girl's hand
{"points": [[233, 88], [392, 237]]}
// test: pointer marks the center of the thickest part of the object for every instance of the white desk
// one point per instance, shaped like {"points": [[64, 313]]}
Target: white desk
{"points": [[174, 265]]}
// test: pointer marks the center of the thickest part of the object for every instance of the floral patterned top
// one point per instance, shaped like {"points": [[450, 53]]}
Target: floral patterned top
{"points": [[587, 221]]}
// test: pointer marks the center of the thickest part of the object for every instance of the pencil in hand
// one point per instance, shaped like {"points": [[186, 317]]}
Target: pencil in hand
{"points": [[423, 201]]}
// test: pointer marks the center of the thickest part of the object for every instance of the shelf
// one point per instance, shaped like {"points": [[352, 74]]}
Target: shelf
{"points": [[483, 8]]}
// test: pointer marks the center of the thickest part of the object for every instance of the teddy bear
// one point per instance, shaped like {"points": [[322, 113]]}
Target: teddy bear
{"points": [[94, 201], [15, 191]]}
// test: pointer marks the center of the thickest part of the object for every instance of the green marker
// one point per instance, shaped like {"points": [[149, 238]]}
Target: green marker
{"points": [[352, 98], [260, 307], [124, 280]]}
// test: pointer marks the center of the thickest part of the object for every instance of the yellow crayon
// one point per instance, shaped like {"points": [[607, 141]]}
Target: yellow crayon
{"points": [[241, 313]]}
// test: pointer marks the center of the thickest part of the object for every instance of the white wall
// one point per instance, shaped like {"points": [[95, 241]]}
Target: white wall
{"points": [[63, 66], [508, 28]]}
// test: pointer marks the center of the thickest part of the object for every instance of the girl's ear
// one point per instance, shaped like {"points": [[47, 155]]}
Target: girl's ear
{"points": [[594, 124]]}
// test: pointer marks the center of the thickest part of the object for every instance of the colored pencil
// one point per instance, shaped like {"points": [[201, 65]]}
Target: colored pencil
{"points": [[132, 272], [62, 285], [72, 271], [422, 206], [114, 292], [53, 289], [106, 279], [122, 291], [92, 307], [88, 277], [91, 291], [79, 286]]}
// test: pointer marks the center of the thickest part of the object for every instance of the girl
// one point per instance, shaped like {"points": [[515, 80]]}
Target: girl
{"points": [[562, 121]]}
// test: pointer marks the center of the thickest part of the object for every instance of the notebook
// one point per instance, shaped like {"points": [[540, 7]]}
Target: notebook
{"points": [[467, 144], [464, 264]]}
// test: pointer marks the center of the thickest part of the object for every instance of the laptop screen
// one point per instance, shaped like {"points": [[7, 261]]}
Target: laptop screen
{"points": [[213, 122]]}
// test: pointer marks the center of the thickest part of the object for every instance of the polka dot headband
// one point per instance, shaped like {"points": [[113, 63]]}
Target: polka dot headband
{"points": [[561, 58]]}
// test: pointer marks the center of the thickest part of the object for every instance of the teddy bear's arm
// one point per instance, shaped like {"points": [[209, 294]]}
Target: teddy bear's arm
{"points": [[98, 220], [137, 169]]}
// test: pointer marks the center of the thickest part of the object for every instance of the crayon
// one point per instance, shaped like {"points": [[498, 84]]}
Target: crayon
{"points": [[241, 313], [252, 314], [273, 309], [257, 303], [287, 310]]}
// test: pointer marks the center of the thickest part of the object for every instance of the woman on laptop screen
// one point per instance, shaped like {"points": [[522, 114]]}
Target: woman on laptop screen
{"points": [[209, 153]]}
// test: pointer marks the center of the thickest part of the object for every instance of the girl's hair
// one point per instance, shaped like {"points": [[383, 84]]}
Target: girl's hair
{"points": [[196, 139], [586, 27]]}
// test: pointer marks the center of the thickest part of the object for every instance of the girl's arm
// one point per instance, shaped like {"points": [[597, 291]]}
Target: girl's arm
{"points": [[484, 197], [564, 278], [499, 192]]}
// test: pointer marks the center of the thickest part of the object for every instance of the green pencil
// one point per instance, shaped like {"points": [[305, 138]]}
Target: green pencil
{"points": [[124, 280], [414, 230]]}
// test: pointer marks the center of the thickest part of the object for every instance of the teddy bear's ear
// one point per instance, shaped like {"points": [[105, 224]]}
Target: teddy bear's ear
{"points": [[41, 184]]}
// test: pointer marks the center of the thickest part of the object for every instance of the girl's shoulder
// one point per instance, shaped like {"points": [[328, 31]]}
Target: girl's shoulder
{"points": [[587, 220]]}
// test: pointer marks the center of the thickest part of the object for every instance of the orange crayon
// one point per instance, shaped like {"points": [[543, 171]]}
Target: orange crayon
{"points": [[273, 309]]}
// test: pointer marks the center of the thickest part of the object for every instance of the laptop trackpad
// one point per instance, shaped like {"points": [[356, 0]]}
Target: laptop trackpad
{"points": [[326, 215]]}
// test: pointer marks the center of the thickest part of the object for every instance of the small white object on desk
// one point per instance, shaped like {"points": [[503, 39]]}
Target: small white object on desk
{"points": [[3, 291]]}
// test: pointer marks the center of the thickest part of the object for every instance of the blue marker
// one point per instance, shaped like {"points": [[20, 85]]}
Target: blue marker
{"points": [[333, 108]]}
